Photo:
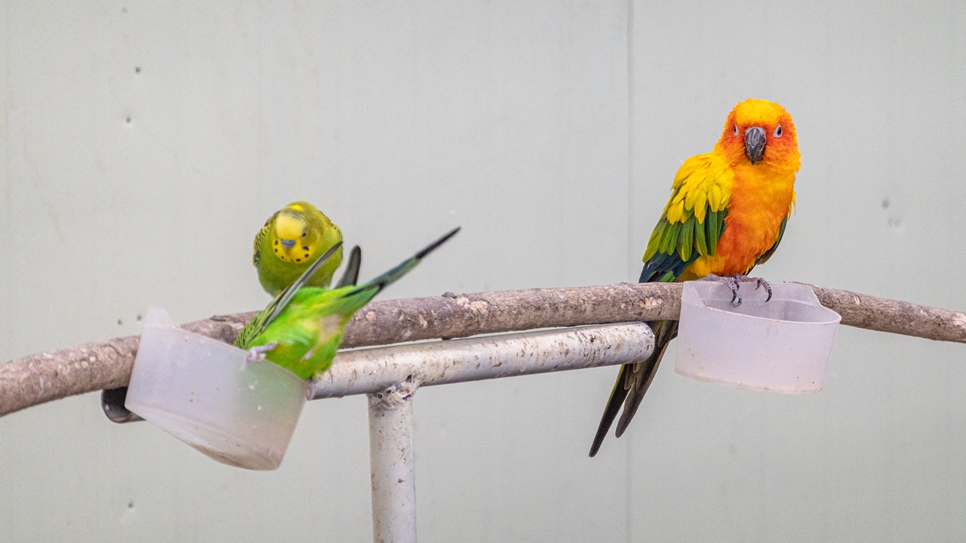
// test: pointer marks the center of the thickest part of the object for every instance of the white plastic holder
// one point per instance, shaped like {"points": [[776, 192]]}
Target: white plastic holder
{"points": [[782, 345], [206, 394]]}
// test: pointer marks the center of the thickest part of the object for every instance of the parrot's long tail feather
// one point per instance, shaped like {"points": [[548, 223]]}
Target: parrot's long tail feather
{"points": [[611, 410], [632, 382], [641, 380], [373, 287], [351, 274]]}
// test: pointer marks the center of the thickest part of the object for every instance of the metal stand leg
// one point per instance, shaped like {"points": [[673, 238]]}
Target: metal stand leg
{"points": [[391, 464]]}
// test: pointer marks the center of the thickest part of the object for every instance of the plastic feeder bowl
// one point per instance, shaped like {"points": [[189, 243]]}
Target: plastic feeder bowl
{"points": [[782, 345], [202, 392]]}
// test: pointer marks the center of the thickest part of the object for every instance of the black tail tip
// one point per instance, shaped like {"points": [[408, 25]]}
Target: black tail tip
{"points": [[432, 246]]}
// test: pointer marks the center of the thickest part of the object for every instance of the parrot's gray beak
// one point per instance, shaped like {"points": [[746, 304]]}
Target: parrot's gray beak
{"points": [[755, 143], [288, 243]]}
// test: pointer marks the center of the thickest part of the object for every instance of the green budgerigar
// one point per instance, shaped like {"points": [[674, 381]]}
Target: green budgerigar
{"points": [[292, 238], [303, 326]]}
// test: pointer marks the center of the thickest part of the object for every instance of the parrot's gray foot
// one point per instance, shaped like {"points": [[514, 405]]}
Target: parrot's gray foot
{"points": [[759, 282], [258, 353], [729, 281]]}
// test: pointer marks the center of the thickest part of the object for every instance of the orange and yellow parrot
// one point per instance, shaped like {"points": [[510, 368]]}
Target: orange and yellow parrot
{"points": [[727, 213]]}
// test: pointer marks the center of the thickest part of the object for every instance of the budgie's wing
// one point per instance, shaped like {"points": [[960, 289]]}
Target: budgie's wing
{"points": [[261, 321], [351, 274]]}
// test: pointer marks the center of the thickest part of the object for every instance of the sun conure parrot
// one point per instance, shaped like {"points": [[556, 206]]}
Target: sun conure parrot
{"points": [[291, 239], [727, 213], [302, 327]]}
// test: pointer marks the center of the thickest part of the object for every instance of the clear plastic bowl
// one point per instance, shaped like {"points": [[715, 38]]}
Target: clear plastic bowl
{"points": [[202, 391], [782, 345]]}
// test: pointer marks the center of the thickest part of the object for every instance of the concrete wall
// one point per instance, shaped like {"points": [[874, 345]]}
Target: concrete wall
{"points": [[143, 144]]}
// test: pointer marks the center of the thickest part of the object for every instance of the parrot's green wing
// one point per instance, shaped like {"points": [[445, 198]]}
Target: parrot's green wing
{"points": [[767, 254], [266, 316], [693, 219]]}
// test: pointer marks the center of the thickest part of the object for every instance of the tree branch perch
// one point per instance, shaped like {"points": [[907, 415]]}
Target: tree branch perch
{"points": [[43, 377]]}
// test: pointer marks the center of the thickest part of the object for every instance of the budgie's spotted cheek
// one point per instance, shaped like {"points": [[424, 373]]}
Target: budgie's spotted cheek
{"points": [[292, 255]]}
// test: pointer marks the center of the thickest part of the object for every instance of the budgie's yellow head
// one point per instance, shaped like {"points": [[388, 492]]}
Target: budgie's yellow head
{"points": [[296, 238]]}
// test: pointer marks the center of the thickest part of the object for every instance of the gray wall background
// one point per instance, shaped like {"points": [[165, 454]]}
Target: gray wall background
{"points": [[142, 145]]}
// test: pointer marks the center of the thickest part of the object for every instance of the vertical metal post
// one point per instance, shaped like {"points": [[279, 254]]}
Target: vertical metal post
{"points": [[391, 463]]}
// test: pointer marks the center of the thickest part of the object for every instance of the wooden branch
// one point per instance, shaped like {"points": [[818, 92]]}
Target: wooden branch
{"points": [[894, 316], [49, 376]]}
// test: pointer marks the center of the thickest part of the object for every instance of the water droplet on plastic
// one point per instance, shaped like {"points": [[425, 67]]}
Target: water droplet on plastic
{"points": [[259, 408]]}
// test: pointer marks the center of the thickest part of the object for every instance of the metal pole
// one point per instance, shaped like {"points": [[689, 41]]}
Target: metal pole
{"points": [[374, 372], [391, 464], [365, 371]]}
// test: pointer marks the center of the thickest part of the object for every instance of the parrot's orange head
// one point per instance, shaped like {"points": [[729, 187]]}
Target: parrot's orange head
{"points": [[761, 132], [294, 239]]}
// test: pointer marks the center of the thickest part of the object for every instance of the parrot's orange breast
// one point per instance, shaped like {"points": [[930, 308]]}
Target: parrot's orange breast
{"points": [[761, 199]]}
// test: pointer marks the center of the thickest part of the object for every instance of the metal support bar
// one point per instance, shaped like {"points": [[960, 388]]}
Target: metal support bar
{"points": [[364, 371], [391, 464]]}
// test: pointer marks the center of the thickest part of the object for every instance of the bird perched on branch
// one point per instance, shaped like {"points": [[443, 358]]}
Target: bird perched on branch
{"points": [[727, 213], [290, 241], [301, 329]]}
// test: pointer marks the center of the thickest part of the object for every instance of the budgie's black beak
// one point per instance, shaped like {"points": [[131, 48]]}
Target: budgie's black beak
{"points": [[755, 143], [288, 243]]}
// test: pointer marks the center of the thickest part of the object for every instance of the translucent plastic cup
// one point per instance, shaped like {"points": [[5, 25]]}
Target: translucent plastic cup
{"points": [[782, 345], [202, 391]]}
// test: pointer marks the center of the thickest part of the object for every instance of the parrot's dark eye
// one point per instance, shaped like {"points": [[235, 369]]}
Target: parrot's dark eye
{"points": [[778, 131], [304, 234], [736, 129]]}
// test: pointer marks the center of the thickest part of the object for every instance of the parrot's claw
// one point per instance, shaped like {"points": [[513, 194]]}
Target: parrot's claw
{"points": [[759, 282], [729, 281], [258, 353]]}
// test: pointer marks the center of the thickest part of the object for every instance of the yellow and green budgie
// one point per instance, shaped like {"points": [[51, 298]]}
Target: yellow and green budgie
{"points": [[301, 329], [290, 241]]}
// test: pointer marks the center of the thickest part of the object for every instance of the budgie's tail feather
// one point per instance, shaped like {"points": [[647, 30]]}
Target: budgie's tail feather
{"points": [[374, 286], [351, 274], [632, 382]]}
